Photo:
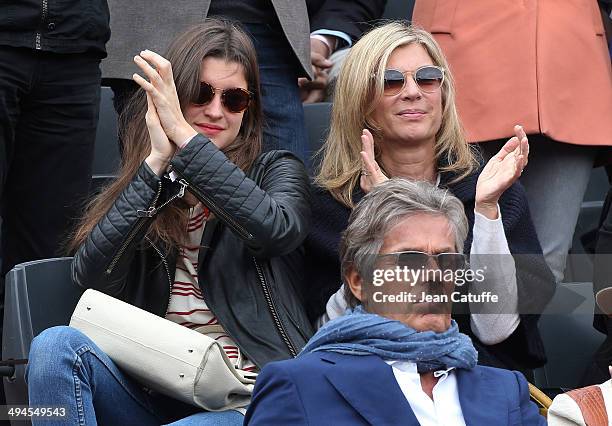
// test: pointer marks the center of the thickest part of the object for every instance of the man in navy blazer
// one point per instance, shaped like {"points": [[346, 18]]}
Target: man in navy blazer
{"points": [[395, 359], [328, 388]]}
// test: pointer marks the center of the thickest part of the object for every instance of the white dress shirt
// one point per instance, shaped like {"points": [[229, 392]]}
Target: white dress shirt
{"points": [[444, 409]]}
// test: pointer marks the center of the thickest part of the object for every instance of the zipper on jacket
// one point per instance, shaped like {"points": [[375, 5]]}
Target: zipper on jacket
{"points": [[218, 211], [167, 268], [273, 311], [152, 211], [132, 233], [43, 18]]}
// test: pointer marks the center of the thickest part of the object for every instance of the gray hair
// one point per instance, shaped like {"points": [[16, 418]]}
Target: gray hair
{"points": [[383, 208]]}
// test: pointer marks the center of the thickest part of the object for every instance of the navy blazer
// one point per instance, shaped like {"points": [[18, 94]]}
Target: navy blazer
{"points": [[327, 388]]}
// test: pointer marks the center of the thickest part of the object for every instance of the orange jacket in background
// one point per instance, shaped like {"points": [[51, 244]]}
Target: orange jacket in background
{"points": [[540, 63]]}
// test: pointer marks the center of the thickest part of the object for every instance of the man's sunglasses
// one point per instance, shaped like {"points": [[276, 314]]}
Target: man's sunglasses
{"points": [[234, 100], [418, 259], [428, 78]]}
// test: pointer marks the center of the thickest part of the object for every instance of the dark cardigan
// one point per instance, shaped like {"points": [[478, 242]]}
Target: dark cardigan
{"points": [[524, 349]]}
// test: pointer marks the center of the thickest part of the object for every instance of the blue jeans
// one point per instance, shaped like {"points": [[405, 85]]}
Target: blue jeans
{"points": [[66, 369], [278, 69]]}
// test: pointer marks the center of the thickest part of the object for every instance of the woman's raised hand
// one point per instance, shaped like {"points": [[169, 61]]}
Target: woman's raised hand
{"points": [[371, 175], [162, 149], [162, 92], [501, 172]]}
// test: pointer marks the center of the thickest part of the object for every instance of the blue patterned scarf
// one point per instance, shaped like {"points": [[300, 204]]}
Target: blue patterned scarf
{"points": [[362, 333]]}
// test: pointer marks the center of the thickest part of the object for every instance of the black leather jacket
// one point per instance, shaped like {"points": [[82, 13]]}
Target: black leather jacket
{"points": [[250, 264]]}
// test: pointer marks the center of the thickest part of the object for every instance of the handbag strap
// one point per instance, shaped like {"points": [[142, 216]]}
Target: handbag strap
{"points": [[591, 403]]}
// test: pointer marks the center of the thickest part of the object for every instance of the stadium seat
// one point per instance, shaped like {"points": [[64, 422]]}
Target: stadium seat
{"points": [[38, 295], [579, 265], [106, 154], [316, 119], [569, 337]]}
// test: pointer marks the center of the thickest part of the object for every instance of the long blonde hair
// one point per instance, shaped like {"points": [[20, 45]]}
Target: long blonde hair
{"points": [[359, 89]]}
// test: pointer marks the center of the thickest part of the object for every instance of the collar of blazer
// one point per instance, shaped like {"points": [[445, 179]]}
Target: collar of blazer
{"points": [[381, 401]]}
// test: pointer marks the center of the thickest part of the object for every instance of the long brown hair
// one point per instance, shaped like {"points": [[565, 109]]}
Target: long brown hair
{"points": [[217, 38]]}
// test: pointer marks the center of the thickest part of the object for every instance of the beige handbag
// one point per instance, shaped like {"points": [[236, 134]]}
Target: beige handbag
{"points": [[163, 356]]}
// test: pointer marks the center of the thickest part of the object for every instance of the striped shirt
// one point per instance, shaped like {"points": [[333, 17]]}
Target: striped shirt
{"points": [[187, 306]]}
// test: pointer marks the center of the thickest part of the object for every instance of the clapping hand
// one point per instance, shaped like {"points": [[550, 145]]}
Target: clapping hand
{"points": [[371, 175], [164, 108], [501, 172]]}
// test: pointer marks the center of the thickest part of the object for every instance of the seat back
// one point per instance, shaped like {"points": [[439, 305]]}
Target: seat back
{"points": [[579, 264], [316, 118], [106, 152], [38, 295], [569, 337]]}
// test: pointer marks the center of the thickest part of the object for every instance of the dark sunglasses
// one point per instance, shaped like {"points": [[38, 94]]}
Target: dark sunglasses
{"points": [[418, 259], [429, 78], [234, 100]]}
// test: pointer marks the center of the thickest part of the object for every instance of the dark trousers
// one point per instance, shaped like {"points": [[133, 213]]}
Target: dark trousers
{"points": [[278, 70], [48, 117], [49, 107]]}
